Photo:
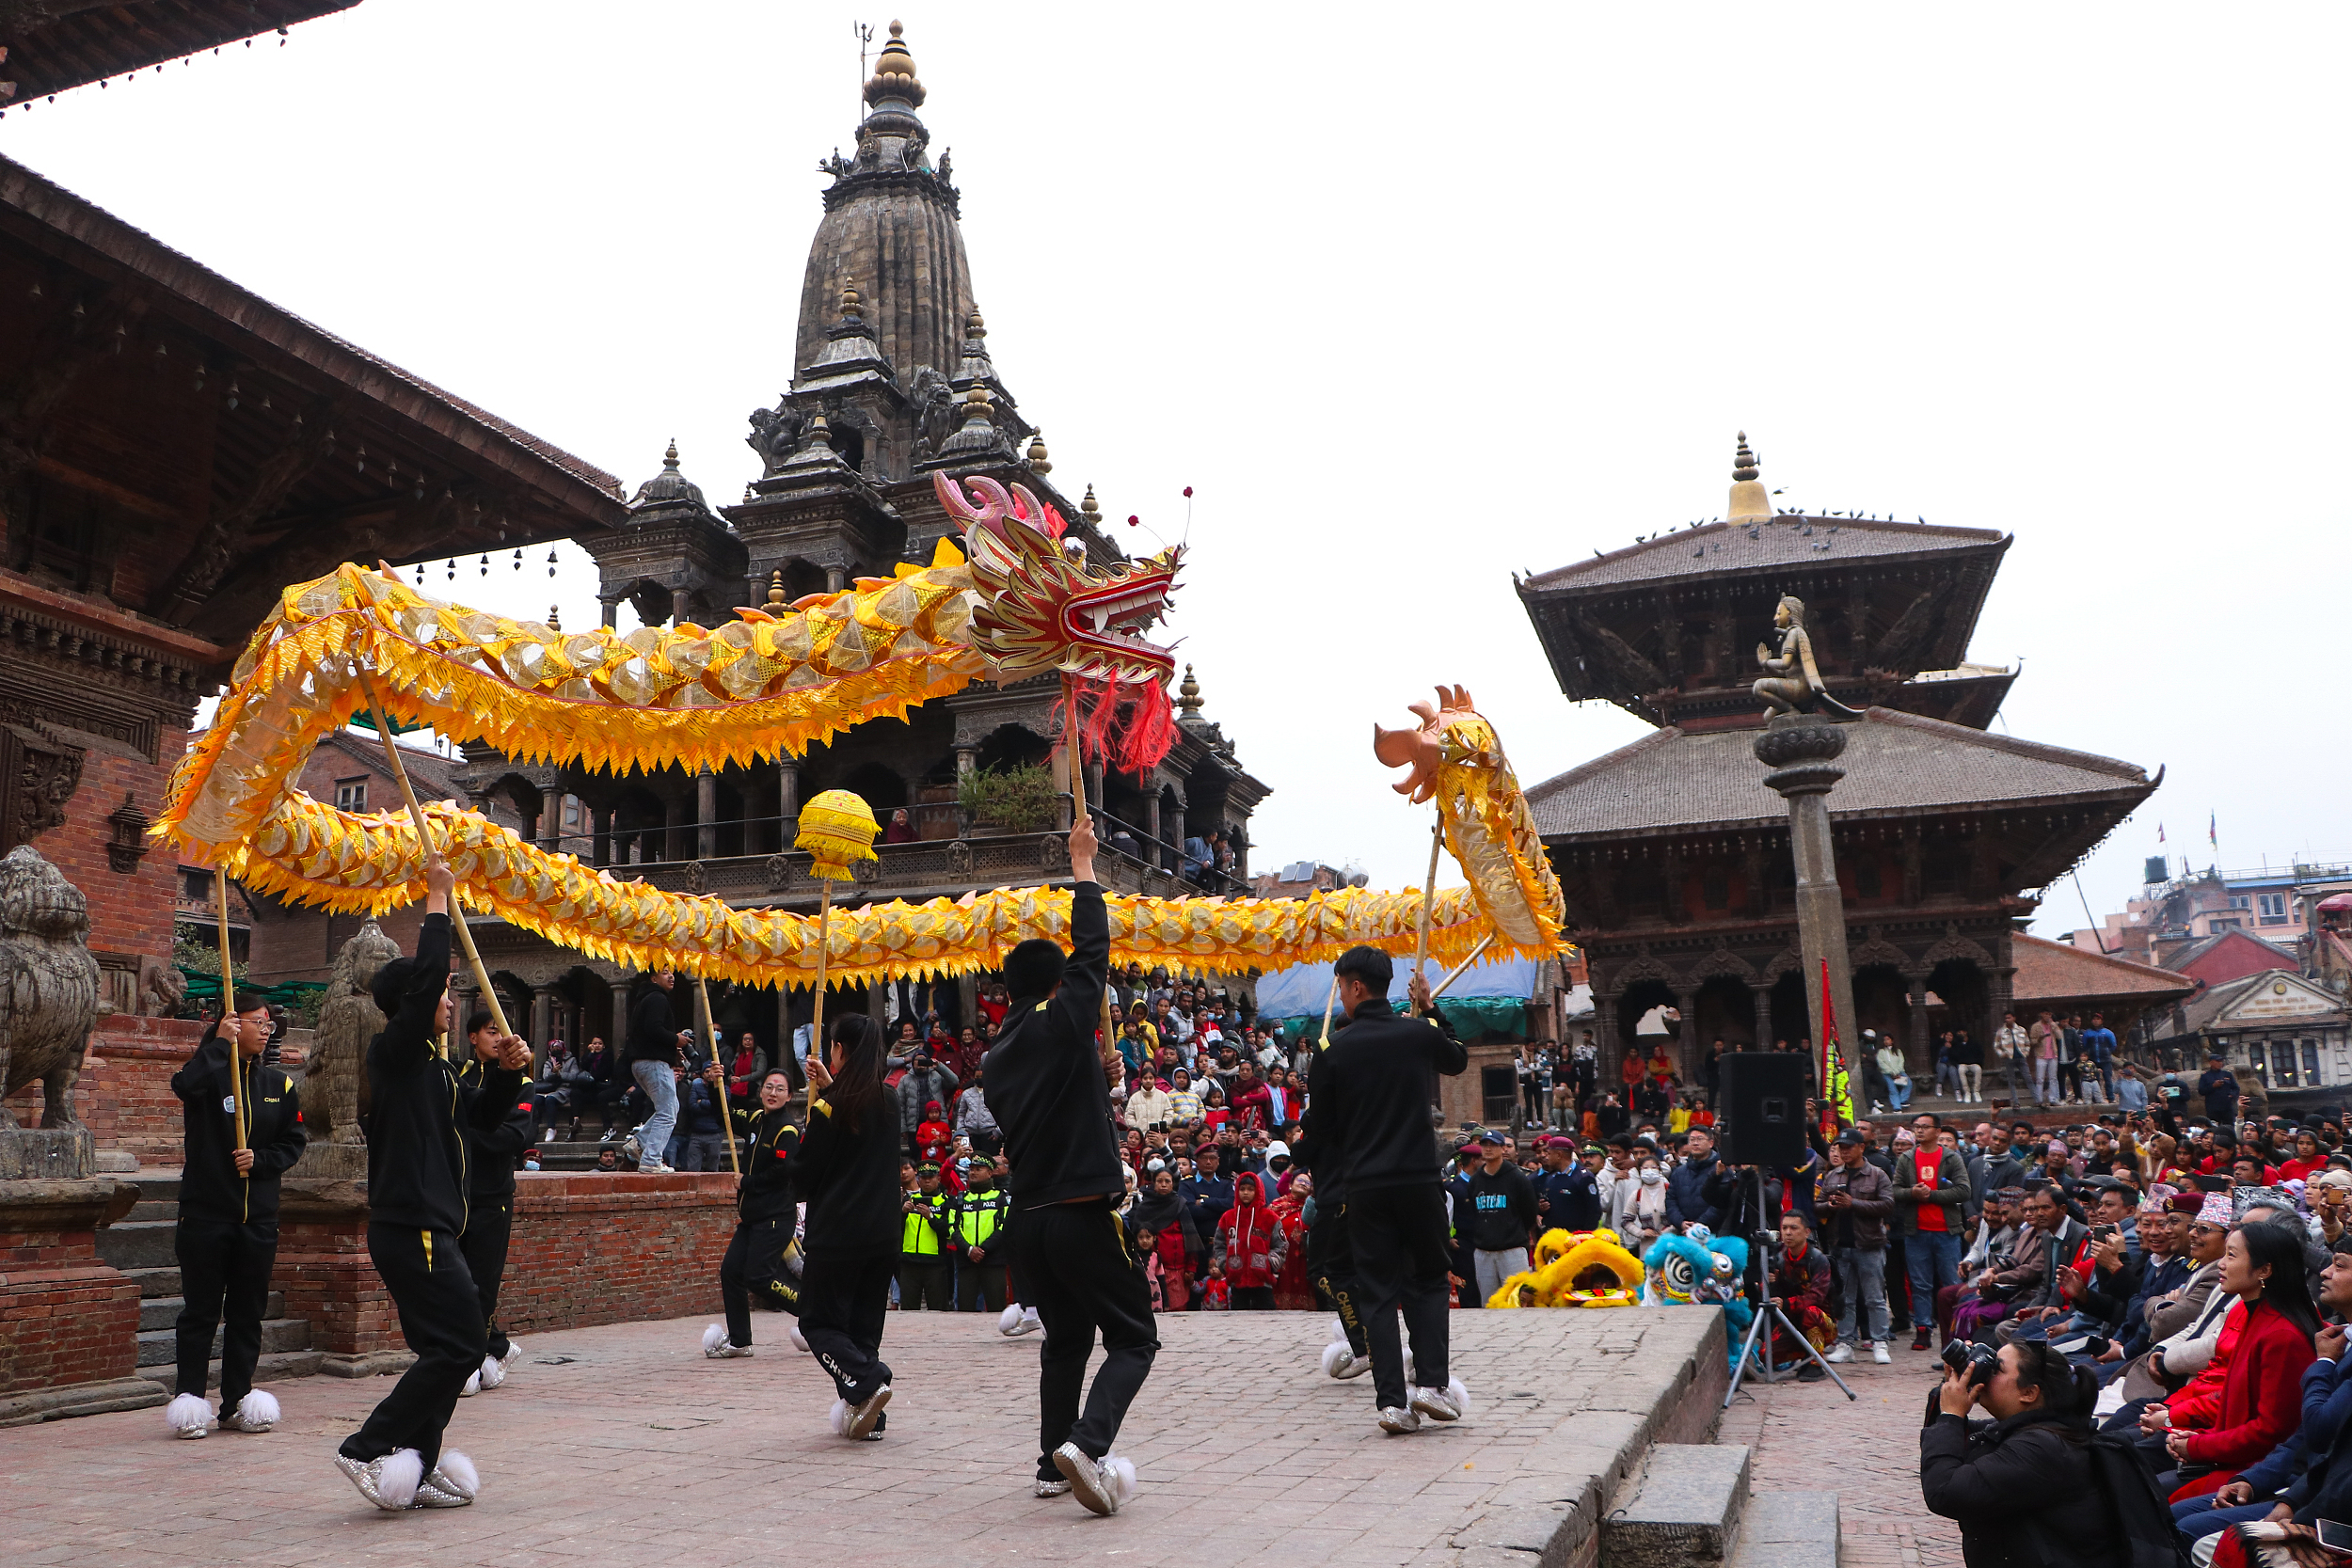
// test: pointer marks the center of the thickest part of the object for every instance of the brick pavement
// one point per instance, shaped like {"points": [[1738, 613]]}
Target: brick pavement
{"points": [[1806, 1438], [610, 1443]]}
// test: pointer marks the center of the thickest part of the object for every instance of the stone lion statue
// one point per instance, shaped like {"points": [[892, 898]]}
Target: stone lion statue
{"points": [[162, 989], [48, 984], [335, 1077]]}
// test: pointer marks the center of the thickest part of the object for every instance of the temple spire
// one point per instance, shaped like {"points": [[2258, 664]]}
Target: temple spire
{"points": [[1749, 503]]}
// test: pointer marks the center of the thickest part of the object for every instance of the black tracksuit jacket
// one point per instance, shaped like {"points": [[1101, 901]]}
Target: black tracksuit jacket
{"points": [[1374, 1089], [490, 1156], [768, 1170], [417, 1113], [849, 1177], [209, 1187], [1044, 1079]]}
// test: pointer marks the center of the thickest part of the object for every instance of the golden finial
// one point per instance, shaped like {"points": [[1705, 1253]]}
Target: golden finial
{"points": [[1188, 694], [669, 458], [894, 72], [975, 326], [977, 405], [1090, 509], [555, 618], [1749, 503], [853, 305], [775, 587], [1039, 463]]}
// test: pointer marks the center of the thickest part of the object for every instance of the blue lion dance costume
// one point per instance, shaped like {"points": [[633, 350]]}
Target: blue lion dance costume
{"points": [[1700, 1270]]}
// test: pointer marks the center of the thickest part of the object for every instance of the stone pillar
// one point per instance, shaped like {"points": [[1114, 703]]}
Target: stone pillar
{"points": [[787, 800], [612, 608], [600, 836], [677, 606], [620, 1021], [1687, 1044], [837, 579], [551, 816], [967, 759], [542, 1016], [673, 829], [1920, 1055], [1801, 749], [2000, 994], [1762, 997], [1609, 1060], [706, 814], [69, 1318], [1151, 826]]}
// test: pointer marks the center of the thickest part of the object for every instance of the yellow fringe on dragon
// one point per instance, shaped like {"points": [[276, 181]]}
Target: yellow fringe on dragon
{"points": [[751, 689]]}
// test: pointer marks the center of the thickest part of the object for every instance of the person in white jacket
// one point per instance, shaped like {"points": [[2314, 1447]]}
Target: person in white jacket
{"points": [[1637, 1207]]}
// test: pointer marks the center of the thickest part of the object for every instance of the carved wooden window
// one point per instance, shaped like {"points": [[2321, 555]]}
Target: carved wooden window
{"points": [[351, 794]]}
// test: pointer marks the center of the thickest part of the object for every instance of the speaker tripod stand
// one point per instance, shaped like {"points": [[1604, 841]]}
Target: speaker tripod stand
{"points": [[1768, 1312]]}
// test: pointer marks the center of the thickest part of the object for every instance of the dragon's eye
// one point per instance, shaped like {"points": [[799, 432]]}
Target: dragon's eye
{"points": [[1677, 1276]]}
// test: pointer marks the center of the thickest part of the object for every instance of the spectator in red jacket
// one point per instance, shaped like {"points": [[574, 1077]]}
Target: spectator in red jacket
{"points": [[2274, 1322], [1250, 1247]]}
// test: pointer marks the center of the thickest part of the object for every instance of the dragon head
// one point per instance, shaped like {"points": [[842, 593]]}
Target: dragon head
{"points": [[1043, 606], [1424, 749]]}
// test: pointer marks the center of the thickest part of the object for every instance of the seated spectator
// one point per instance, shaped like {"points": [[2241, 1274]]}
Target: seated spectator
{"points": [[1802, 1282], [2218, 1425]]}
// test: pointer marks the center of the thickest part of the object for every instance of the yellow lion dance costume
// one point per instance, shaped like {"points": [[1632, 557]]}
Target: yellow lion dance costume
{"points": [[1575, 1268]]}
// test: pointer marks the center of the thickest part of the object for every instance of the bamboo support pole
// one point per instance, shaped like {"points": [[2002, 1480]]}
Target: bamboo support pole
{"points": [[711, 1033], [1428, 900], [239, 1113], [424, 842]]}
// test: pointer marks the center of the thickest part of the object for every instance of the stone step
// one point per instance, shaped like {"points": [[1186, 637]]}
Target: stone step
{"points": [[152, 1208], [155, 1282], [162, 1311], [156, 1183], [140, 1245], [270, 1367], [156, 1348], [1684, 1512], [1788, 1529]]}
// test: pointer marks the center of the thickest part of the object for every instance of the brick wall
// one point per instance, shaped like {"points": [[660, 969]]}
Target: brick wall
{"points": [[129, 912], [65, 1317], [124, 1094], [593, 1249]]}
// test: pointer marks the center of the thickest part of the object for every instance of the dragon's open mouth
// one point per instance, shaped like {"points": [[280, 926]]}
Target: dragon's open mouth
{"points": [[1114, 618]]}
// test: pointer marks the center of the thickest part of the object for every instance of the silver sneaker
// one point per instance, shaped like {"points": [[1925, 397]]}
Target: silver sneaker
{"points": [[1055, 1488], [1086, 1478], [368, 1476], [1354, 1366], [727, 1352], [231, 1421], [1398, 1423], [431, 1495], [1436, 1403], [862, 1420]]}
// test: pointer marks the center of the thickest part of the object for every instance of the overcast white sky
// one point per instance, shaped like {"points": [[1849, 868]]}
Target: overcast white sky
{"points": [[1414, 298]]}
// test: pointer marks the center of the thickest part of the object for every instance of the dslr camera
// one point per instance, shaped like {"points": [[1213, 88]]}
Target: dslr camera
{"points": [[1976, 1364]]}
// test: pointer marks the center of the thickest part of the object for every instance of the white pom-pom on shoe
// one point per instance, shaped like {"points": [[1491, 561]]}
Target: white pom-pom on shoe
{"points": [[188, 1415], [1119, 1476], [258, 1412], [713, 1336], [473, 1385], [840, 1418], [1335, 1356], [799, 1342], [456, 1473], [403, 1470], [493, 1372], [1008, 1321], [1459, 1395]]}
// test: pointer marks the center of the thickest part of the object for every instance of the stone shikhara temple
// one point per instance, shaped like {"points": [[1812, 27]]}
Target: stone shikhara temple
{"points": [[1675, 857]]}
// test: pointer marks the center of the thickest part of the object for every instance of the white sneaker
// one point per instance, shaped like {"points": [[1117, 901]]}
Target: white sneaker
{"points": [[1878, 1352], [1843, 1354], [1435, 1404], [656, 1170], [1355, 1366], [1398, 1422], [1029, 1322], [473, 1385], [1091, 1479]]}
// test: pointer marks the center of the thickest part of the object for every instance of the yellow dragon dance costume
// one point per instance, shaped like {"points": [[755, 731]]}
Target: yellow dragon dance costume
{"points": [[1011, 605]]}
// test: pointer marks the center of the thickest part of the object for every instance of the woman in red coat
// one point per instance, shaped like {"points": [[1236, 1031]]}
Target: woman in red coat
{"points": [[2260, 1400]]}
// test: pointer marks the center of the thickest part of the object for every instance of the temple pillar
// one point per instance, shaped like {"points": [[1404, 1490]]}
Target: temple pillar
{"points": [[600, 845], [551, 816], [673, 831], [1918, 1053], [706, 814], [678, 608], [1801, 748], [1609, 1059], [1761, 997], [2000, 994], [620, 1021], [787, 800], [1686, 1045], [836, 578], [1151, 827], [542, 1016], [967, 759], [612, 608]]}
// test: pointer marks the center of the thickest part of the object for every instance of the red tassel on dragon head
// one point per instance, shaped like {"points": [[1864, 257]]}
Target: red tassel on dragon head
{"points": [[1043, 609]]}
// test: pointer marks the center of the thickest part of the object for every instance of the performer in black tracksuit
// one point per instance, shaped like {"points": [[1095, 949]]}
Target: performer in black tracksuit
{"points": [[1048, 1088], [490, 1192], [848, 1170], [226, 1238], [755, 1269], [416, 1210], [1373, 1091]]}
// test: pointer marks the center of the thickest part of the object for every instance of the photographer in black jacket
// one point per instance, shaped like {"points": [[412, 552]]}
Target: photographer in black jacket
{"points": [[418, 1194], [490, 1199], [1372, 1088], [226, 1238], [2021, 1487]]}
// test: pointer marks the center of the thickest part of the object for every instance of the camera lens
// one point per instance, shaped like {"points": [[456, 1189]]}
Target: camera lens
{"points": [[1956, 1354]]}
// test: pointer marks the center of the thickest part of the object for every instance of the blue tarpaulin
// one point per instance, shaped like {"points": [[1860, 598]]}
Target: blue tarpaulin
{"points": [[1490, 998]]}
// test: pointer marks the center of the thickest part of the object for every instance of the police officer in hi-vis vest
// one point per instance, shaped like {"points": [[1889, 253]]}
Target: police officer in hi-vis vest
{"points": [[975, 1231], [923, 1245], [228, 1234]]}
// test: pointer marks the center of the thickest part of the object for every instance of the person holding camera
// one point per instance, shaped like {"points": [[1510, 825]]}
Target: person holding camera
{"points": [[2022, 1486]]}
